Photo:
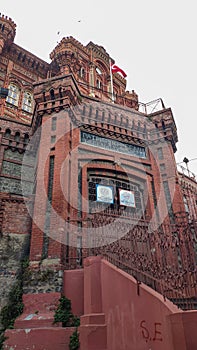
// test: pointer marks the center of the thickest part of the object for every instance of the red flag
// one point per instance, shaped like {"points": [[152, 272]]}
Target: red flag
{"points": [[116, 69]]}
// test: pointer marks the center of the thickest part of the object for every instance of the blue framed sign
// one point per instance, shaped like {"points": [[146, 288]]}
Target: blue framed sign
{"points": [[104, 194], [127, 198]]}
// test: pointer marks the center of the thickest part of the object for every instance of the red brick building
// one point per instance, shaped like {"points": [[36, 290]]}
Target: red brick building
{"points": [[189, 191], [86, 169]]}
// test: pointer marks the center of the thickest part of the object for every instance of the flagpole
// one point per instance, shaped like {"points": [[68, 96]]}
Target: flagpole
{"points": [[111, 79]]}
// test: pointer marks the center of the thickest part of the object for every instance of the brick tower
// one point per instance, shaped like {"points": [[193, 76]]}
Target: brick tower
{"points": [[88, 170], [98, 175], [90, 143]]}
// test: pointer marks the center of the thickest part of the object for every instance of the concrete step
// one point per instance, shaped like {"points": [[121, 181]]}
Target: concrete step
{"points": [[47, 338]]}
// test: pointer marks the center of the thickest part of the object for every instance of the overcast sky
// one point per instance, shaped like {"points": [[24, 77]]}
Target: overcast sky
{"points": [[154, 42]]}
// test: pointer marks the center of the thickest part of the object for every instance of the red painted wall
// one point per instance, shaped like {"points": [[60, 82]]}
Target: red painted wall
{"points": [[118, 315], [134, 321], [73, 289], [183, 326], [130, 318], [136, 318]]}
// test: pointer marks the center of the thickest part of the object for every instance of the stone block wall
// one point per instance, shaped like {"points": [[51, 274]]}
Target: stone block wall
{"points": [[13, 248]]}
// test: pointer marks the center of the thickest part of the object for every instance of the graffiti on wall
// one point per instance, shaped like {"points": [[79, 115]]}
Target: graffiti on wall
{"points": [[151, 333]]}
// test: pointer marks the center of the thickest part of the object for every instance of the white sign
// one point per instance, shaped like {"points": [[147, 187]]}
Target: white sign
{"points": [[104, 194], [127, 198]]}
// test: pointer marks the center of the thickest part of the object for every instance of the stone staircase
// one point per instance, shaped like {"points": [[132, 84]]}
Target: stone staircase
{"points": [[34, 329]]}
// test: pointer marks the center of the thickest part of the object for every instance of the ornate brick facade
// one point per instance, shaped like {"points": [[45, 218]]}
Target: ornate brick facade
{"points": [[81, 139]]}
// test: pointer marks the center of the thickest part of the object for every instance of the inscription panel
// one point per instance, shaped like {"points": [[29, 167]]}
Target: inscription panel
{"points": [[113, 145]]}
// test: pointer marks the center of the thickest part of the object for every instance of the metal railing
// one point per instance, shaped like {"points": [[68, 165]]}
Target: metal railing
{"points": [[163, 258]]}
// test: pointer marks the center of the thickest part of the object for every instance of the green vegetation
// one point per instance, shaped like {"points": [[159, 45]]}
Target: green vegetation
{"points": [[2, 339], [14, 307], [64, 314], [74, 340]]}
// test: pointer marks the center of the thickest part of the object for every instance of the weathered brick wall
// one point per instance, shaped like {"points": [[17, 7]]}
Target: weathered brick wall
{"points": [[15, 224], [15, 217], [13, 248]]}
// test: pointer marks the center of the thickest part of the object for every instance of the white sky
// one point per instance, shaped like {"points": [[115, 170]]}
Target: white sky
{"points": [[154, 42]]}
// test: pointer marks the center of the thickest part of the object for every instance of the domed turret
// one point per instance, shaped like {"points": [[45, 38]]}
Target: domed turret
{"points": [[7, 31]]}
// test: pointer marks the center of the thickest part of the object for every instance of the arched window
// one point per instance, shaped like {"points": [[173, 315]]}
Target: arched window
{"points": [[98, 70], [52, 94], [26, 138], [27, 102], [7, 133], [60, 92], [186, 204], [82, 73], [17, 136], [98, 84], [115, 94], [13, 94]]}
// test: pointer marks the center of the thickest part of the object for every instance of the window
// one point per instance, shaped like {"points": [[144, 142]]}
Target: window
{"points": [[53, 123], [13, 95], [160, 153], [186, 204], [114, 186], [115, 95], [7, 133], [82, 73], [17, 136], [79, 250], [67, 247], [98, 70], [52, 94], [98, 84], [168, 200], [53, 139], [51, 175], [162, 167], [26, 138], [27, 102]]}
